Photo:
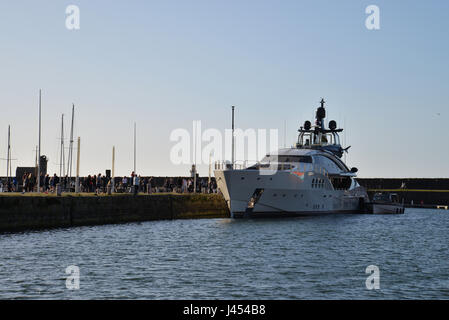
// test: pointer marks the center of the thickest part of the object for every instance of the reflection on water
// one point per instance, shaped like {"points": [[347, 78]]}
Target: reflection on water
{"points": [[299, 258]]}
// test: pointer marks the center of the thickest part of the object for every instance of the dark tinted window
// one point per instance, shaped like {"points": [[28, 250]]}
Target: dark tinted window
{"points": [[326, 160], [303, 159]]}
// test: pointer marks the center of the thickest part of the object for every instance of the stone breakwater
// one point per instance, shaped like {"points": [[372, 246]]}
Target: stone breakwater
{"points": [[22, 212]]}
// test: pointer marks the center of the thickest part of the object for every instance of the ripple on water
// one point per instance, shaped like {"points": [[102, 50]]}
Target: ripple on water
{"points": [[302, 258]]}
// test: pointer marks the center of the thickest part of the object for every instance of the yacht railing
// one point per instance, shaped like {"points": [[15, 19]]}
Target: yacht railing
{"points": [[237, 165], [245, 164]]}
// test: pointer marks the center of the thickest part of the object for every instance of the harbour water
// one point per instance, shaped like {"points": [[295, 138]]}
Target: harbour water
{"points": [[300, 258]]}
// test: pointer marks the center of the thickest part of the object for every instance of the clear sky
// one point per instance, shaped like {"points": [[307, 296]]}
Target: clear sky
{"points": [[167, 63]]}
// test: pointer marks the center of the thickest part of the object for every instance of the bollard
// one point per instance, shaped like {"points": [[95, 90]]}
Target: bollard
{"points": [[58, 189], [109, 188]]}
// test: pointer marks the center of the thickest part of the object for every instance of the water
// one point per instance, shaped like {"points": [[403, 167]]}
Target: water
{"points": [[301, 258]]}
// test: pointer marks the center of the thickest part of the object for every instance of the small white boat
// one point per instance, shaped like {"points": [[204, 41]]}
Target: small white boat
{"points": [[385, 203]]}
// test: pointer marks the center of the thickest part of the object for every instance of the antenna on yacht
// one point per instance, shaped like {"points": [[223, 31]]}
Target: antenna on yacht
{"points": [[321, 114], [319, 136], [322, 102]]}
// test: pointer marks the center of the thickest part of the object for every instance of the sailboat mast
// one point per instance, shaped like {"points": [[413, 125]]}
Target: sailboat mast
{"points": [[232, 156], [77, 179], [8, 155], [69, 164], [285, 133], [210, 169], [10, 161], [61, 157], [38, 178], [134, 147]]}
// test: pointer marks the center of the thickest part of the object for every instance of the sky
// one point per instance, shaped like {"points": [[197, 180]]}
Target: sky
{"points": [[164, 64]]}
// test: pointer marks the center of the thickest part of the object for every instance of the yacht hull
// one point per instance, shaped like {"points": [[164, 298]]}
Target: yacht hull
{"points": [[283, 194]]}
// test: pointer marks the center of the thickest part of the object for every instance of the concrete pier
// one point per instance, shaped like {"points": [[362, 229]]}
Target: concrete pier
{"points": [[29, 212]]}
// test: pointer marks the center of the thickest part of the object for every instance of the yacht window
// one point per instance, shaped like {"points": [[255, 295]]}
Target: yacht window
{"points": [[329, 164], [289, 159], [302, 159]]}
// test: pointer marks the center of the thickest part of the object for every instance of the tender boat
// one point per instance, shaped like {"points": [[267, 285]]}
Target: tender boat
{"points": [[307, 179], [385, 203]]}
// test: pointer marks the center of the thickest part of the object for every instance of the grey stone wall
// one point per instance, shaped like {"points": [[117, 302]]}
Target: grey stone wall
{"points": [[35, 212]]}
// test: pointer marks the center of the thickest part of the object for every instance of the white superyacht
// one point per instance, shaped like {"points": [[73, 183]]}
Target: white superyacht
{"points": [[307, 179]]}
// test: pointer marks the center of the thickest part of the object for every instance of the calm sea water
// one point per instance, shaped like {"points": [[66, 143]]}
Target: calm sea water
{"points": [[302, 258]]}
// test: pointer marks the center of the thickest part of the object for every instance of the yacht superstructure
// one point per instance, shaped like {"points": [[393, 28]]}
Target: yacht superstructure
{"points": [[307, 179]]}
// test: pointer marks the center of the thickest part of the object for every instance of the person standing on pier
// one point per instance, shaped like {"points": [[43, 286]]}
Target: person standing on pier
{"points": [[41, 182], [46, 183], [98, 184], [31, 182], [131, 182], [93, 183], [125, 183], [149, 190], [24, 182], [136, 184], [51, 182]]}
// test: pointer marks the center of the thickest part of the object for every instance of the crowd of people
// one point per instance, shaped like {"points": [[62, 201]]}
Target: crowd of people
{"points": [[99, 183]]}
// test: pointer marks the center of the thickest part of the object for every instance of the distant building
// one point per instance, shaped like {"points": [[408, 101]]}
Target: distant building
{"points": [[20, 171]]}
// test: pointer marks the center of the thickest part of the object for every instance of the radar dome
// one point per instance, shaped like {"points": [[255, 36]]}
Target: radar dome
{"points": [[307, 125]]}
